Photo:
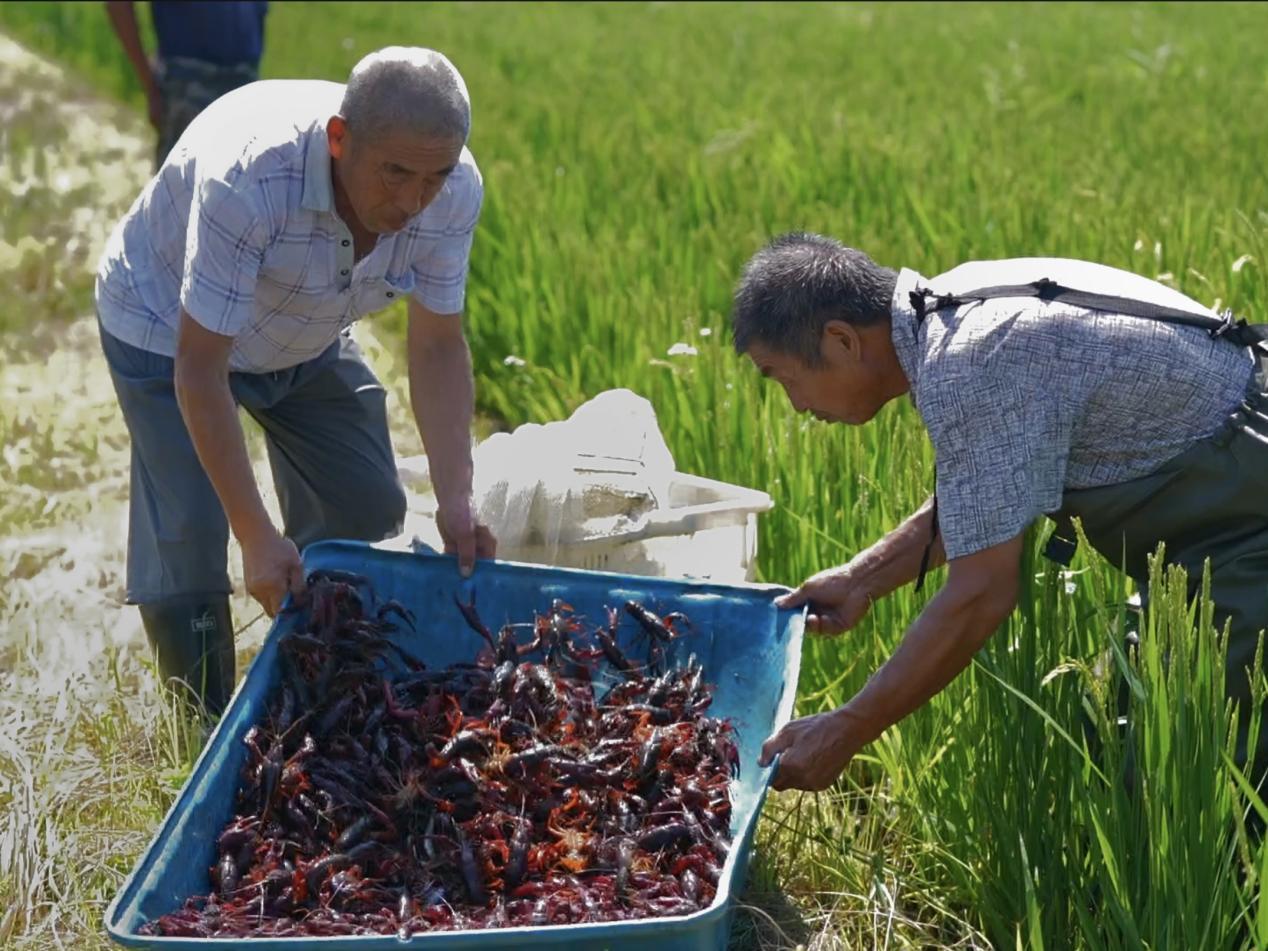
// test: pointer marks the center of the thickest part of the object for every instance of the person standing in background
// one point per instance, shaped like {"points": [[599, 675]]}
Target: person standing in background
{"points": [[205, 49]]}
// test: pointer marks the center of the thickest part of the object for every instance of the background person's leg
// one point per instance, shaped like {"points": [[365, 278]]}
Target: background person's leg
{"points": [[177, 533], [187, 87], [331, 453]]}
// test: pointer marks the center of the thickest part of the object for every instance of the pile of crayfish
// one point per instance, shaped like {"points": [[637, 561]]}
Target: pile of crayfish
{"points": [[382, 796]]}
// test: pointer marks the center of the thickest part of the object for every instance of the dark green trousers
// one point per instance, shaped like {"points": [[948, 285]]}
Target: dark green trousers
{"points": [[1210, 502]]}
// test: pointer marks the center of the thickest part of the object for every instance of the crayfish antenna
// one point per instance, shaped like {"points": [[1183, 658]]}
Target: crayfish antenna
{"points": [[473, 620]]}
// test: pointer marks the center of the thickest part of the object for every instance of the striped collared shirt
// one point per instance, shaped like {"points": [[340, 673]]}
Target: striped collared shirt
{"points": [[1025, 398], [239, 228]]}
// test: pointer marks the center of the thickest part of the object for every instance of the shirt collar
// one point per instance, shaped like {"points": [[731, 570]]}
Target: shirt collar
{"points": [[904, 327], [318, 191]]}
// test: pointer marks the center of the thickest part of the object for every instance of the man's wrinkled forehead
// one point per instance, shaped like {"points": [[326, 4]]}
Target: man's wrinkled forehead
{"points": [[418, 153]]}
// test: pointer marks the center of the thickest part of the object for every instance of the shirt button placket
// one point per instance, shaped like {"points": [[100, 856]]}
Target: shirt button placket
{"points": [[345, 257]]}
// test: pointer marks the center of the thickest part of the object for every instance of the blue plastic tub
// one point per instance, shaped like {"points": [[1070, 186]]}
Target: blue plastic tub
{"points": [[750, 650]]}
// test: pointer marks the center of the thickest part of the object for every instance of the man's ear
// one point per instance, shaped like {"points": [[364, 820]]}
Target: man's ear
{"points": [[841, 342], [337, 136]]}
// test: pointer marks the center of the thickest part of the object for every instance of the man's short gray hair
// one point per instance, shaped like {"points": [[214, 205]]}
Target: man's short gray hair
{"points": [[407, 89], [797, 283]]}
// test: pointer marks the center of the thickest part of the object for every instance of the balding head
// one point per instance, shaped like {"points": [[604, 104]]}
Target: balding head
{"points": [[406, 89], [400, 132]]}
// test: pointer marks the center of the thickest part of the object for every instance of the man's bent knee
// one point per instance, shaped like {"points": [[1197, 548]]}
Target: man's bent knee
{"points": [[386, 511], [371, 513]]}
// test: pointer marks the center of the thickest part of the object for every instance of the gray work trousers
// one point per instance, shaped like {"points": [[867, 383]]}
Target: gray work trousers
{"points": [[325, 424]]}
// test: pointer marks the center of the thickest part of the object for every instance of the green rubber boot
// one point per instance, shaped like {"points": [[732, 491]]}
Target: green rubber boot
{"points": [[192, 639]]}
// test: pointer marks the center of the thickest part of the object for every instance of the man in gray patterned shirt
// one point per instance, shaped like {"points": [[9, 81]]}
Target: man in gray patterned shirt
{"points": [[1146, 430]]}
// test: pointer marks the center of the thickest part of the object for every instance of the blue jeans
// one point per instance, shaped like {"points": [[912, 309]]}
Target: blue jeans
{"points": [[325, 423]]}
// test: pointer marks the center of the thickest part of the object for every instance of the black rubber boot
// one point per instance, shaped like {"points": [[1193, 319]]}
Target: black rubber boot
{"points": [[192, 638]]}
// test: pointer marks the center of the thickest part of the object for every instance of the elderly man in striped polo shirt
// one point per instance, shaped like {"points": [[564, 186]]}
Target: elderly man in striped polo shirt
{"points": [[1048, 387], [285, 212]]}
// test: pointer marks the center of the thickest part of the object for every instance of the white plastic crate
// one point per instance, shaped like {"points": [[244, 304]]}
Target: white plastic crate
{"points": [[708, 530]]}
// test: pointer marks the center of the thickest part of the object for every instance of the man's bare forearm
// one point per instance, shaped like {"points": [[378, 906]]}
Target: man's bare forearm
{"points": [[895, 560], [211, 417], [442, 395], [939, 644]]}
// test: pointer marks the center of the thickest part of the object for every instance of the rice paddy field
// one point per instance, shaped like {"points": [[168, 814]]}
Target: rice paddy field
{"points": [[634, 155]]}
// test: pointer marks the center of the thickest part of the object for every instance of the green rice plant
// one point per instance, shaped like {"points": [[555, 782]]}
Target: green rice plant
{"points": [[1123, 833], [1170, 845], [86, 774]]}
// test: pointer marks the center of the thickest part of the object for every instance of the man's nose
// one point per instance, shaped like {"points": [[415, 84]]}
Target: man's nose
{"points": [[414, 201], [412, 204]]}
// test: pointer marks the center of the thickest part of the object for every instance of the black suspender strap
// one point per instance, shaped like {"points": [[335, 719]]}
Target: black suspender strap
{"points": [[1226, 325]]}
